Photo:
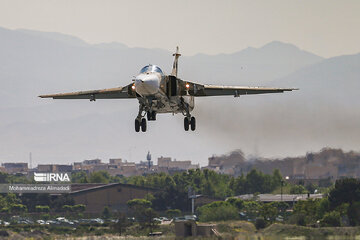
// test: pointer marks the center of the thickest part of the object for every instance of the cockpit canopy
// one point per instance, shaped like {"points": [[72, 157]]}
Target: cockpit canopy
{"points": [[151, 68]]}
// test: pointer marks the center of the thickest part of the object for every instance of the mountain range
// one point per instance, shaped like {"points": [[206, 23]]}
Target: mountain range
{"points": [[323, 113]]}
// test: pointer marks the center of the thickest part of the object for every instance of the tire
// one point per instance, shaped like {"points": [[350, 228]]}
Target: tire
{"points": [[148, 115], [186, 124], [143, 125], [137, 125], [153, 115], [193, 123]]}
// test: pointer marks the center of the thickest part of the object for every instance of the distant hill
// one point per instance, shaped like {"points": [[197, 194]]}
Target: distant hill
{"points": [[251, 66], [63, 38], [333, 81]]}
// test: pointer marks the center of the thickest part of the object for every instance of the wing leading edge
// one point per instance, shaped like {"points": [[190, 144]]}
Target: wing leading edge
{"points": [[199, 90], [110, 93]]}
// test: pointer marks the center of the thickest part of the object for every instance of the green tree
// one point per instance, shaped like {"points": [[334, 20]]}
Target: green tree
{"points": [[79, 177], [297, 189], [78, 208], [171, 213], [218, 211], [31, 200], [354, 213], [138, 203], [252, 209], [4, 177], [121, 224], [269, 212], [298, 218], [106, 212], [237, 202], [99, 177], [311, 187], [149, 197], [11, 198], [67, 208], [61, 200], [323, 207], [260, 223], [281, 206], [308, 209], [43, 209], [331, 219], [347, 191], [138, 207], [18, 208], [277, 179], [149, 220], [255, 182]]}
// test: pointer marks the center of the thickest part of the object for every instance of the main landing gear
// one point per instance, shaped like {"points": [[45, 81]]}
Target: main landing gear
{"points": [[151, 115], [189, 122]]}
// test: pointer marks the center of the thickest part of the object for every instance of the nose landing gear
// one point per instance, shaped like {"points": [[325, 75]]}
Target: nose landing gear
{"points": [[189, 122], [137, 125], [140, 124], [143, 125], [140, 121]]}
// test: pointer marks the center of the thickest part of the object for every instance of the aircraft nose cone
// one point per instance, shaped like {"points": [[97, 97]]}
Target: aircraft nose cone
{"points": [[147, 84]]}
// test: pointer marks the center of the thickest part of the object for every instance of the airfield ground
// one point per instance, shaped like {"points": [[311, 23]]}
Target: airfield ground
{"points": [[240, 230]]}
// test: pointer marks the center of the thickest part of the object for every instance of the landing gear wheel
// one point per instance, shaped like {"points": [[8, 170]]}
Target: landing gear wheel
{"points": [[137, 125], [143, 125], [186, 124], [151, 116], [193, 123]]}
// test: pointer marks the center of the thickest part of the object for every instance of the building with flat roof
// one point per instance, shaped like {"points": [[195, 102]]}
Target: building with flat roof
{"points": [[289, 198], [54, 168], [13, 168], [92, 162], [167, 164], [163, 161], [115, 196], [115, 161]]}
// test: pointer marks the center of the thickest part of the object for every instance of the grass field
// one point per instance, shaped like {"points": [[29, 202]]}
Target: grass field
{"points": [[237, 230]]}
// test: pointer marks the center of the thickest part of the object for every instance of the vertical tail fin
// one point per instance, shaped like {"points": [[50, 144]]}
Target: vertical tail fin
{"points": [[175, 64]]}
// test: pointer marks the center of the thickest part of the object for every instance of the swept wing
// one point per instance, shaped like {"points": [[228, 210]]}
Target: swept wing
{"points": [[110, 93], [200, 90]]}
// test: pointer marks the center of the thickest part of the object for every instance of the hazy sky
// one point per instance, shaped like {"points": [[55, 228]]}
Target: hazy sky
{"points": [[324, 27]]}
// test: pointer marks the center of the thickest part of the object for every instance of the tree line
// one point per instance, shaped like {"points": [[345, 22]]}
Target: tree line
{"points": [[174, 194], [339, 207]]}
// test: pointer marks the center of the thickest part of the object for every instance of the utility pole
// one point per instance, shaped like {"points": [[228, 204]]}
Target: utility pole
{"points": [[191, 196], [282, 183], [30, 160]]}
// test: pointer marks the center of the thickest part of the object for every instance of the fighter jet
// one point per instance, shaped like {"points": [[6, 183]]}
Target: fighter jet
{"points": [[158, 92]]}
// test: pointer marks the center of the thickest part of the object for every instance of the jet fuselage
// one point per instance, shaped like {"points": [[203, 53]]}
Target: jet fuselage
{"points": [[158, 93]]}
